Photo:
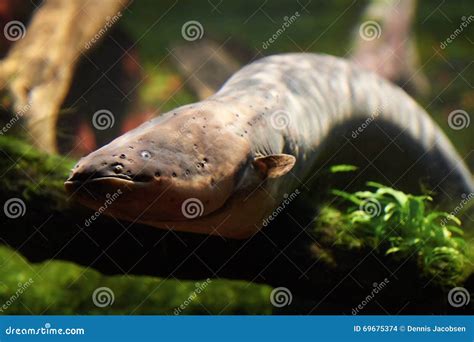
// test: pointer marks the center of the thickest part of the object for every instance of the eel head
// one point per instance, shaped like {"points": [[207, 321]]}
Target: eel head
{"points": [[188, 170]]}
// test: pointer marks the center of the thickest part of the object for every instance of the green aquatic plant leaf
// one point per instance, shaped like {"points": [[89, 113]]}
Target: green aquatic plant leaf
{"points": [[402, 225], [342, 168]]}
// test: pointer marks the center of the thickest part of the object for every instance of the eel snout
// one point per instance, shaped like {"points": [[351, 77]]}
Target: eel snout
{"points": [[129, 166]]}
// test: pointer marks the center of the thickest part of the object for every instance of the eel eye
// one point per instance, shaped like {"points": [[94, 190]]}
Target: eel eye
{"points": [[145, 154]]}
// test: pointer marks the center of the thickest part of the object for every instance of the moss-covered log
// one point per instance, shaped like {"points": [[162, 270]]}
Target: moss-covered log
{"points": [[58, 287], [331, 277]]}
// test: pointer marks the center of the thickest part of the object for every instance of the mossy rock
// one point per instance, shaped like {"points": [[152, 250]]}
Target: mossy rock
{"points": [[57, 287]]}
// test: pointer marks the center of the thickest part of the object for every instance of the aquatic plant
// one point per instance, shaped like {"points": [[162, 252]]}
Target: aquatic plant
{"points": [[402, 226]]}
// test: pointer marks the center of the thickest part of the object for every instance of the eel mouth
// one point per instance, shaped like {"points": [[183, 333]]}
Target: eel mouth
{"points": [[99, 185], [129, 200]]}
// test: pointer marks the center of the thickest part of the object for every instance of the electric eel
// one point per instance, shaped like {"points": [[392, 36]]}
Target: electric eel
{"points": [[222, 165]]}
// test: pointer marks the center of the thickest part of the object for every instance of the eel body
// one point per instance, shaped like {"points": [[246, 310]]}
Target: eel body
{"points": [[222, 165]]}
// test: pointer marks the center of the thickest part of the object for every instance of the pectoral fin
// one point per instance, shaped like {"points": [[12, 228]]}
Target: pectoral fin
{"points": [[274, 165]]}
